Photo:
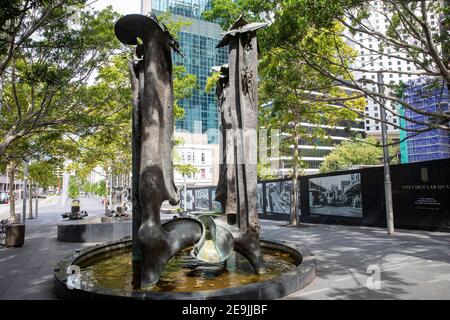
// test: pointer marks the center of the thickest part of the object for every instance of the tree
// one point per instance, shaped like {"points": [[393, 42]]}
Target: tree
{"points": [[101, 188], [356, 152], [46, 82], [43, 172], [185, 170], [20, 20], [410, 36], [183, 86], [11, 169], [74, 187], [46, 151]]}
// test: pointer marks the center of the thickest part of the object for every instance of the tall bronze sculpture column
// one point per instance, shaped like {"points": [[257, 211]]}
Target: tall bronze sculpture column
{"points": [[241, 170], [153, 182], [226, 187], [136, 71]]}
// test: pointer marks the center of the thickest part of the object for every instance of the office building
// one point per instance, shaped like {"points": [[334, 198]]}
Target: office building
{"points": [[197, 42], [428, 145], [312, 151], [372, 62]]}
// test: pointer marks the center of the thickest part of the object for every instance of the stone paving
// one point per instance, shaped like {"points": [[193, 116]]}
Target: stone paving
{"points": [[411, 264]]}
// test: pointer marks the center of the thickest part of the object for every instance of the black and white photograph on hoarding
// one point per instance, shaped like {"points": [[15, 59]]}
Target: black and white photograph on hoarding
{"points": [[336, 195], [259, 198], [278, 196], [202, 198]]}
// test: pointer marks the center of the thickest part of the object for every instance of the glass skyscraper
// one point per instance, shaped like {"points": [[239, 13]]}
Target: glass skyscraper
{"points": [[197, 42], [430, 96]]}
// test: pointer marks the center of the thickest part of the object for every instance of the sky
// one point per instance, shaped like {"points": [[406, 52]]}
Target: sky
{"points": [[121, 6]]}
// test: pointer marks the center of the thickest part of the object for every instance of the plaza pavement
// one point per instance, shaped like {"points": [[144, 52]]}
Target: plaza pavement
{"points": [[411, 264]]}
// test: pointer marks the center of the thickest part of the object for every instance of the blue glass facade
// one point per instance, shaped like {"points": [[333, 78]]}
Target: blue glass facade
{"points": [[429, 145], [197, 42]]}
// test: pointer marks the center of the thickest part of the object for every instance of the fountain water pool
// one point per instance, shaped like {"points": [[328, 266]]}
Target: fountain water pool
{"points": [[104, 271]]}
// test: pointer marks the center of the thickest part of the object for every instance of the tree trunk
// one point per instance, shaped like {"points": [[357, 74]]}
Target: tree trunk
{"points": [[12, 200], [2, 148], [36, 201], [111, 203], [6, 142], [185, 193], [294, 194], [30, 209]]}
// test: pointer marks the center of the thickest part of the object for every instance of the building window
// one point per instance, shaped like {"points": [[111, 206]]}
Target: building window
{"points": [[203, 157], [202, 173]]}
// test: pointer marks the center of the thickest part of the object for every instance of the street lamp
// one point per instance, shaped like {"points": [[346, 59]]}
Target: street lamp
{"points": [[387, 171], [25, 187]]}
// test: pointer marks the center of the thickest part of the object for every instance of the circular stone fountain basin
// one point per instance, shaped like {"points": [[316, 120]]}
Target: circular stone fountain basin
{"points": [[105, 272]]}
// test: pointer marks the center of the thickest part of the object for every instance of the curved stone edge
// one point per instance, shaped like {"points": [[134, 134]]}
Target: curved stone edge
{"points": [[94, 232], [275, 288]]}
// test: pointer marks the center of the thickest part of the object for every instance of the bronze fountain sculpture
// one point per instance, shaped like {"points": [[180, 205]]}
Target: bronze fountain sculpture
{"points": [[152, 86], [154, 243], [238, 100]]}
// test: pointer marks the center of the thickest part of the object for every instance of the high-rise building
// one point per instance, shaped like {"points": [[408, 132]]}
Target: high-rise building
{"points": [[372, 62], [312, 151], [198, 43], [432, 144]]}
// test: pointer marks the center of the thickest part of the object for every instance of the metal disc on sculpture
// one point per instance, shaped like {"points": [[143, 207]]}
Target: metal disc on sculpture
{"points": [[188, 231], [130, 27], [222, 239], [216, 249]]}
